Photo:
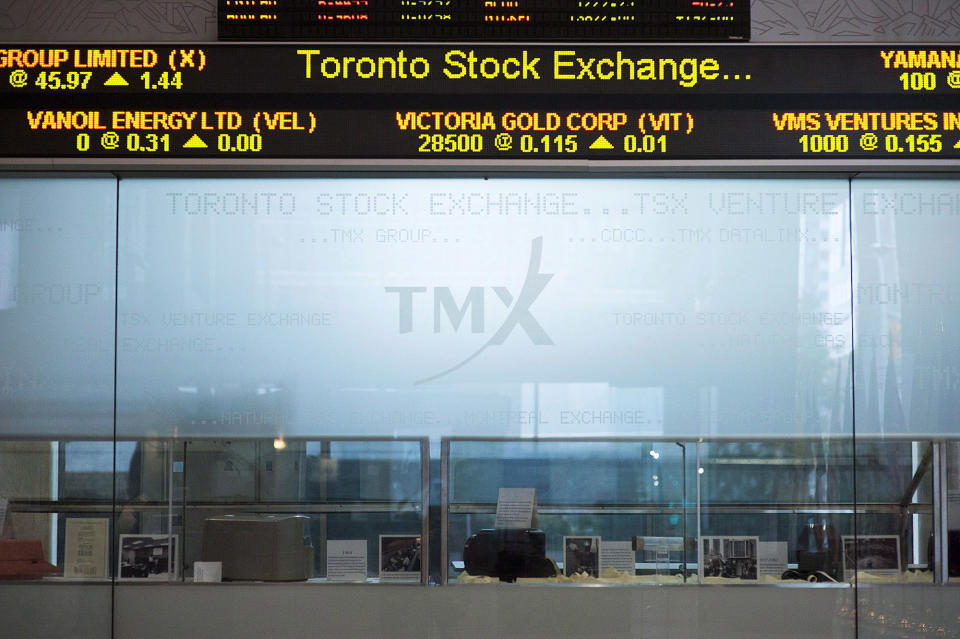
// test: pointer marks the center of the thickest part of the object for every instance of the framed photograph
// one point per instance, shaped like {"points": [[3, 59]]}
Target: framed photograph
{"points": [[148, 557], [876, 554], [581, 555], [729, 557], [400, 557]]}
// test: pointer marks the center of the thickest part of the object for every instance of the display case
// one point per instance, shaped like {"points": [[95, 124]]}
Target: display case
{"points": [[613, 489], [366, 489], [762, 512]]}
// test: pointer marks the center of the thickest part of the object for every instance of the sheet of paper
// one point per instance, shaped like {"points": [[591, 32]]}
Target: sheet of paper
{"points": [[618, 555], [347, 560], [516, 508], [85, 548], [208, 571], [771, 558]]}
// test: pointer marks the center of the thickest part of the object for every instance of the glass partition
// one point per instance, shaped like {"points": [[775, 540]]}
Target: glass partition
{"points": [[905, 281], [448, 307], [57, 256], [57, 253], [906, 293], [747, 380]]}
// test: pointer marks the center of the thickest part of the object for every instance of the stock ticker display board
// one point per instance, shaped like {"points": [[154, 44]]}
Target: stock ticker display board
{"points": [[485, 20], [461, 102]]}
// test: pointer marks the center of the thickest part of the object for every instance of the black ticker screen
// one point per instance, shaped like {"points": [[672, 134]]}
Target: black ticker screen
{"points": [[485, 20], [463, 102]]}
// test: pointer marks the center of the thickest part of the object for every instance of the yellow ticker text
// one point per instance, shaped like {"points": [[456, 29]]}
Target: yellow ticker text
{"points": [[45, 120], [468, 64], [849, 121], [81, 58], [929, 59]]}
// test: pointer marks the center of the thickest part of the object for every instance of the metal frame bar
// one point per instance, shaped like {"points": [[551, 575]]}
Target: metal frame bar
{"points": [[941, 572], [503, 166], [274, 507], [691, 439], [699, 520], [444, 510], [324, 493], [424, 511], [177, 556], [707, 439], [922, 467], [462, 508], [683, 501]]}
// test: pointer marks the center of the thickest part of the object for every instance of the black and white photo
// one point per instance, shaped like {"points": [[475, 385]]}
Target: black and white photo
{"points": [[581, 555], [400, 557], [876, 554], [148, 557], [729, 557]]}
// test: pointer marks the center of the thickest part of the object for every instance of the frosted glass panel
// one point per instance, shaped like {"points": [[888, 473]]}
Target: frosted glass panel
{"points": [[57, 239], [57, 257], [907, 281], [472, 307]]}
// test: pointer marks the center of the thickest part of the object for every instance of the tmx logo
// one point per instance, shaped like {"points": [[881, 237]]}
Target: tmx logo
{"points": [[445, 304]]}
